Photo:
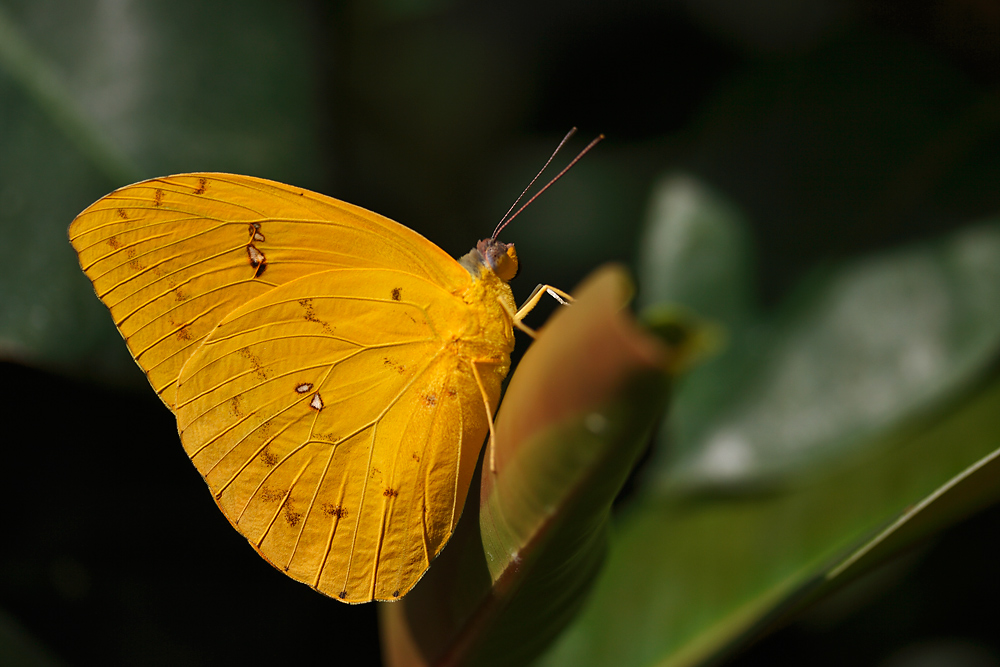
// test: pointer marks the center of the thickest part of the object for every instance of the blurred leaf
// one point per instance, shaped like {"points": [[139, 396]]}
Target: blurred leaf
{"points": [[573, 422], [17, 647], [89, 89], [873, 369], [40, 82], [696, 252], [869, 346], [862, 140], [685, 579], [974, 487]]}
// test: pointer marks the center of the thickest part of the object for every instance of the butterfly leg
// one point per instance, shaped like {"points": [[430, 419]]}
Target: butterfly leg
{"points": [[541, 290], [515, 321], [489, 413]]}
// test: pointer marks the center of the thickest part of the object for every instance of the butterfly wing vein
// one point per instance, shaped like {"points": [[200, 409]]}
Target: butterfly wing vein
{"points": [[316, 356]]}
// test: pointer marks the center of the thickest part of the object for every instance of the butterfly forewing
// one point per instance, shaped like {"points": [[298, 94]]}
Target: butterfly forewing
{"points": [[338, 427], [171, 257]]}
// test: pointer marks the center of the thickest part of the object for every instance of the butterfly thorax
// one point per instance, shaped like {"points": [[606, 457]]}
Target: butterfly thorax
{"points": [[490, 300]]}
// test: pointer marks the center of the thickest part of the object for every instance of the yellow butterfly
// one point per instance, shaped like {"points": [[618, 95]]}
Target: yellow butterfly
{"points": [[333, 373]]}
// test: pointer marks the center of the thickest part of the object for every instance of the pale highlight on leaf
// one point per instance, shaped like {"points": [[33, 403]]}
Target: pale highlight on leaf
{"points": [[330, 370]]}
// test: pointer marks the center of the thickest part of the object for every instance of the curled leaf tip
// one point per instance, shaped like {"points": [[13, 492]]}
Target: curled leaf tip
{"points": [[690, 339], [582, 358]]}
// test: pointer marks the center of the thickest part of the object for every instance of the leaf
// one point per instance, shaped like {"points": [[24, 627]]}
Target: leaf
{"points": [[691, 574], [854, 353], [570, 428], [975, 487], [696, 252], [684, 580], [19, 648], [695, 255], [95, 96], [880, 340]]}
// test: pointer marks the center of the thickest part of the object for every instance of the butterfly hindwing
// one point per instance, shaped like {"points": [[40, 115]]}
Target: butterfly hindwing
{"points": [[337, 427]]}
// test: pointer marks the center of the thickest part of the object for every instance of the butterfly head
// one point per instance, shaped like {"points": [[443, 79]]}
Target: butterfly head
{"points": [[500, 257]]}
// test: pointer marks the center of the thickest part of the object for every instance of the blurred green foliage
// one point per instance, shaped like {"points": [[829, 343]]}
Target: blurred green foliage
{"points": [[818, 178]]}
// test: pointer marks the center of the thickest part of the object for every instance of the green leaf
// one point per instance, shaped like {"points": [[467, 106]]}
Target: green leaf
{"points": [[855, 353], [695, 255], [975, 487], [696, 252], [880, 370], [878, 341], [685, 579], [98, 95], [17, 647]]}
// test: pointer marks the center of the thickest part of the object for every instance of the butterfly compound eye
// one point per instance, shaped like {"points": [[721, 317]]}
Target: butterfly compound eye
{"points": [[500, 257]]}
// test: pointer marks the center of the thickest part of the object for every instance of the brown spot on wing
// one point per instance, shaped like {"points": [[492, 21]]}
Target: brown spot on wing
{"points": [[234, 406], [269, 495], [158, 197], [396, 293], [202, 186], [390, 493], [399, 368], [183, 334], [254, 360], [310, 315], [292, 518], [430, 400], [307, 305], [114, 242], [268, 458], [121, 214], [262, 434], [338, 511], [133, 263]]}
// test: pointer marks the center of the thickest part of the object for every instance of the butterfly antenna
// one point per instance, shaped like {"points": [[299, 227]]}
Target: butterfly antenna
{"points": [[500, 225], [593, 143]]}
